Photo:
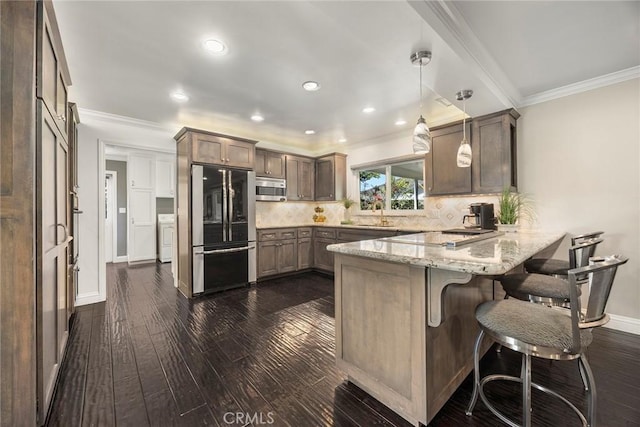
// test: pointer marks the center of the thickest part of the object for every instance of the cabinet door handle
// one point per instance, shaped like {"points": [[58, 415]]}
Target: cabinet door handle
{"points": [[62, 117], [133, 220], [66, 232], [227, 160], [133, 183]]}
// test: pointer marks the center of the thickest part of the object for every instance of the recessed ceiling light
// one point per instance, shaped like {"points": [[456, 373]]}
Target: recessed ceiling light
{"points": [[215, 46], [401, 122], [368, 110], [342, 140], [257, 118], [179, 96], [309, 131], [311, 86]]}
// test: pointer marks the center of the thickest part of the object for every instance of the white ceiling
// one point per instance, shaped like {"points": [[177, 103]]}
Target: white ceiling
{"points": [[126, 57]]}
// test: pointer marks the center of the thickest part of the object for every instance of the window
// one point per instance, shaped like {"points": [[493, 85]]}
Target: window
{"points": [[405, 181]]}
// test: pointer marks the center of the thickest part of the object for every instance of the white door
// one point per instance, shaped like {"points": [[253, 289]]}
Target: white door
{"points": [[109, 200], [142, 209]]}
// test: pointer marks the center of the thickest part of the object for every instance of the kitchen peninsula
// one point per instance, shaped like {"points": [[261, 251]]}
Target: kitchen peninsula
{"points": [[405, 323]]}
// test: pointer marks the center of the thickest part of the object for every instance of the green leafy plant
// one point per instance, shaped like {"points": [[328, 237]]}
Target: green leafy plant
{"points": [[347, 202], [513, 206]]}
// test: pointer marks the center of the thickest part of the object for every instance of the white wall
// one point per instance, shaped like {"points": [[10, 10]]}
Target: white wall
{"points": [[578, 158], [94, 128]]}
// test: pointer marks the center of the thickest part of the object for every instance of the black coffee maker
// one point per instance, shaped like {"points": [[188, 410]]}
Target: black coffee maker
{"points": [[481, 216]]}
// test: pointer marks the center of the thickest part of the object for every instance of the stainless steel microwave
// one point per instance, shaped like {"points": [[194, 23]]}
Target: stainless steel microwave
{"points": [[271, 189]]}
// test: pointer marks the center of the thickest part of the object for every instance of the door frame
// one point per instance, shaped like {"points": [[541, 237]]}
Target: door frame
{"points": [[114, 219], [101, 294]]}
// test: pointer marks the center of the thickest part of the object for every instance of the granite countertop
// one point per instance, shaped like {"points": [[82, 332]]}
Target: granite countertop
{"points": [[496, 255], [354, 226]]}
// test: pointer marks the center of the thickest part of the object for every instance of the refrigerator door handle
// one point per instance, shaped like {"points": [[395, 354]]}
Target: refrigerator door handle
{"points": [[225, 207], [226, 251], [231, 196]]}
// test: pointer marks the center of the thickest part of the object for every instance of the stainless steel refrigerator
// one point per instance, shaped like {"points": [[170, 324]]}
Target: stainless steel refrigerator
{"points": [[223, 224]]}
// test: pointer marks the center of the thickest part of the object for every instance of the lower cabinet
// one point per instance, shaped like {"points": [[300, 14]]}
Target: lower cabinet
{"points": [[322, 258], [277, 251], [305, 248]]}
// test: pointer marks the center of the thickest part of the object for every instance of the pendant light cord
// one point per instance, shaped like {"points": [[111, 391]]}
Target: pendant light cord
{"points": [[420, 87], [464, 118]]}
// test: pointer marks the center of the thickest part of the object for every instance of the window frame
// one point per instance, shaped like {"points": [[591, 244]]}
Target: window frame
{"points": [[387, 165]]}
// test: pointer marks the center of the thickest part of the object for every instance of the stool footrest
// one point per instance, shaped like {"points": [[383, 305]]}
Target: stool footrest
{"points": [[501, 416]]}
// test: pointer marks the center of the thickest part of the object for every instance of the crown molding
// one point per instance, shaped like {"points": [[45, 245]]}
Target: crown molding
{"points": [[583, 86], [108, 117], [449, 23]]}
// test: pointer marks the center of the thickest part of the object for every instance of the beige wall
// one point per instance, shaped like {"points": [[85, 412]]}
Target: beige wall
{"points": [[579, 158]]}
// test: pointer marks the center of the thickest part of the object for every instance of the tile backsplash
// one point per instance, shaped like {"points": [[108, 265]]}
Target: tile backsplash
{"points": [[440, 212]]}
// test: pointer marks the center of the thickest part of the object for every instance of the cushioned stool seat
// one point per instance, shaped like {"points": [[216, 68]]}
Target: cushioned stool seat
{"points": [[547, 266], [533, 324], [523, 285]]}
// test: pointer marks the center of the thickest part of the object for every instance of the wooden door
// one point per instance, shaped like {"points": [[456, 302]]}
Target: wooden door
{"points": [[293, 193], [142, 209], [239, 154], [208, 149], [287, 256], [322, 258], [267, 258], [53, 245], [325, 180], [443, 176], [306, 179], [275, 165], [261, 163], [305, 259]]}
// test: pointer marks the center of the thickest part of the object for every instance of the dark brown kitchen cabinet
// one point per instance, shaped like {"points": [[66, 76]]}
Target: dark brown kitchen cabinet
{"points": [[35, 210], [494, 148], [270, 164], [305, 248], [331, 177], [442, 174], [322, 258], [277, 251], [51, 69], [214, 148], [300, 178]]}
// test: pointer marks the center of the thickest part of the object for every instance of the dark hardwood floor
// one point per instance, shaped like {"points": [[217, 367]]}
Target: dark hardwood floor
{"points": [[265, 356]]}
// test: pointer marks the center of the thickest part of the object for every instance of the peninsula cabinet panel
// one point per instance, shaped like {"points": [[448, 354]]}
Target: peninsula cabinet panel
{"points": [[300, 178], [493, 143], [442, 174]]}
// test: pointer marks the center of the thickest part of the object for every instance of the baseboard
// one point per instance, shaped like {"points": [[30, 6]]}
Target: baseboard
{"points": [[123, 258], [89, 298], [624, 324]]}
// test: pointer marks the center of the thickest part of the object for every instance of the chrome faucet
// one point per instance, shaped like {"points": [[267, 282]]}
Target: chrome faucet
{"points": [[383, 220]]}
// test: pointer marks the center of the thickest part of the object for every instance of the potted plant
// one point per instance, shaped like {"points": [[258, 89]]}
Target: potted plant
{"points": [[512, 207], [347, 203]]}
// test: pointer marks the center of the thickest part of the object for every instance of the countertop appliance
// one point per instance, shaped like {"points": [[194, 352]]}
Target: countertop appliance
{"points": [[481, 215], [165, 237], [271, 189], [223, 223]]}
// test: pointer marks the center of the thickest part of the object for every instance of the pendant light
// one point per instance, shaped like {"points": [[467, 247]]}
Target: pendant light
{"points": [[464, 151], [421, 134]]}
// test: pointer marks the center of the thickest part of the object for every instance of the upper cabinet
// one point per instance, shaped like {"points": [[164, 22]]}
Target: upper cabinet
{"points": [[53, 74], [441, 173], [493, 143], [141, 171], [165, 177], [331, 174], [300, 178], [270, 164], [218, 149]]}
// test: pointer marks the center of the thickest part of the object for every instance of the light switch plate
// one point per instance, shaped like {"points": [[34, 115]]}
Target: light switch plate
{"points": [[122, 210]]}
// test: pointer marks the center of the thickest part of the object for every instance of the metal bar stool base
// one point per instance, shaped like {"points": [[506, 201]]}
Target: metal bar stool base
{"points": [[506, 420]]}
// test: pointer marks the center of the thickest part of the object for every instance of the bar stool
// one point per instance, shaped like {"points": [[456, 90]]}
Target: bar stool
{"points": [[559, 267], [546, 332], [545, 289]]}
